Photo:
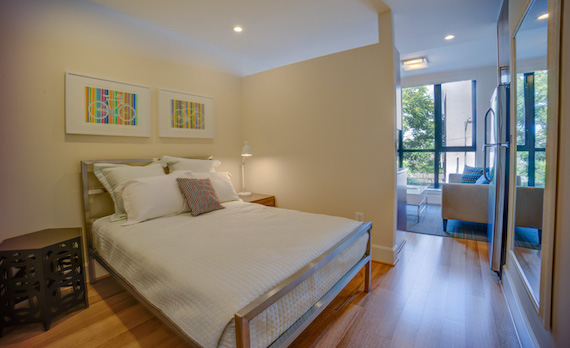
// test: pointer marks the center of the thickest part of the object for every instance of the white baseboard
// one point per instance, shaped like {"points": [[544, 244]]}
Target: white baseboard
{"points": [[388, 255], [99, 270], [434, 196]]}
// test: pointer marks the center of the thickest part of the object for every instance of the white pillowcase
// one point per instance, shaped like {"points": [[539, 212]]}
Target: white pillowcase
{"points": [[222, 184], [153, 197], [195, 165], [113, 175]]}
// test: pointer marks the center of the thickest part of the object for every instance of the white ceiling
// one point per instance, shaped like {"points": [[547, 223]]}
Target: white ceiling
{"points": [[420, 27], [281, 32]]}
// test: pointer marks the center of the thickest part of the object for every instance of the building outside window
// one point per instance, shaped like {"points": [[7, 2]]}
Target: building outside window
{"points": [[438, 135]]}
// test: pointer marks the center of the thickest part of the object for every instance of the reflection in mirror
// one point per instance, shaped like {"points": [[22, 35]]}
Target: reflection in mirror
{"points": [[531, 111]]}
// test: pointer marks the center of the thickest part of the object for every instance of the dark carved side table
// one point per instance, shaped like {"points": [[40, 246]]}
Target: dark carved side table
{"points": [[41, 276]]}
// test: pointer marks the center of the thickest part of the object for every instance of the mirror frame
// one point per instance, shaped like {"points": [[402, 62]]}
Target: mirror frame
{"points": [[543, 306]]}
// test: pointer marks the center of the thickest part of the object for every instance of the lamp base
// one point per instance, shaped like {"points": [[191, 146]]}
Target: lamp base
{"points": [[244, 194]]}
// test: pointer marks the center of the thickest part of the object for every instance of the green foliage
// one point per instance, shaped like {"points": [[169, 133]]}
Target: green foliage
{"points": [[520, 110], [418, 118], [540, 81], [540, 106], [522, 166], [420, 165], [418, 133], [540, 169]]}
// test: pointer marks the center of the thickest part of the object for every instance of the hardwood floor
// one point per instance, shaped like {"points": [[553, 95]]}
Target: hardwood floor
{"points": [[440, 294]]}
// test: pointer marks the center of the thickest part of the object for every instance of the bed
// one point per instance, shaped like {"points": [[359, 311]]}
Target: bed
{"points": [[246, 275]]}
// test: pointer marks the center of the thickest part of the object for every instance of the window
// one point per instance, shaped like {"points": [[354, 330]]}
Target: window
{"points": [[531, 127], [438, 135]]}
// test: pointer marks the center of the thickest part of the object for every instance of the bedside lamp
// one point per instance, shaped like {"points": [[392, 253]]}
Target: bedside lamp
{"points": [[245, 152]]}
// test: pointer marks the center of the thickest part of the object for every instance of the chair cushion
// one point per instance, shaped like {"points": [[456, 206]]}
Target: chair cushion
{"points": [[482, 180], [471, 174]]}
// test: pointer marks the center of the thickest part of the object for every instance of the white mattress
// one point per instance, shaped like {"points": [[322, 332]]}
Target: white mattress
{"points": [[200, 271]]}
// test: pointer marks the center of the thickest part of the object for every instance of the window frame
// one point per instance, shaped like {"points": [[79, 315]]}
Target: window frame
{"points": [[530, 128], [439, 136]]}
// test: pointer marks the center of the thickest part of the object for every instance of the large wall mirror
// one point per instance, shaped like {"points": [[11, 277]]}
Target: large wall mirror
{"points": [[531, 101]]}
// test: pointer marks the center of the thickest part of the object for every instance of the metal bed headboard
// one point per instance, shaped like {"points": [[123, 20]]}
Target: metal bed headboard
{"points": [[96, 200]]}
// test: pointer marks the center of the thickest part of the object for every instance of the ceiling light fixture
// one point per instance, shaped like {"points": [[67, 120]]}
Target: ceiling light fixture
{"points": [[238, 29], [543, 16], [450, 37], [415, 64]]}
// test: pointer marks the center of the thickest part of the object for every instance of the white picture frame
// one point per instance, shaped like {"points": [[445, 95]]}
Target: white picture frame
{"points": [[185, 115], [98, 106]]}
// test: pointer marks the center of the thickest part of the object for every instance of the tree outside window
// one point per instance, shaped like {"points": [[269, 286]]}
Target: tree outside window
{"points": [[532, 108], [438, 131], [418, 133]]}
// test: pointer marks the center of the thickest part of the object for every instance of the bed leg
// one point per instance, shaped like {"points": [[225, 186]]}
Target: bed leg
{"points": [[242, 332], [367, 275], [92, 277]]}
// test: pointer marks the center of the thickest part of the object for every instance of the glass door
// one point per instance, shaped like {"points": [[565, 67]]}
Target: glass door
{"points": [[531, 79]]}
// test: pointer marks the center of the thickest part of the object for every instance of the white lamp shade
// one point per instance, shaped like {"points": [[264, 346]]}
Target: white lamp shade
{"points": [[246, 151]]}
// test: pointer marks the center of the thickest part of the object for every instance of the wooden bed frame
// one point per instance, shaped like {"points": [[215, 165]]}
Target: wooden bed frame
{"points": [[97, 203]]}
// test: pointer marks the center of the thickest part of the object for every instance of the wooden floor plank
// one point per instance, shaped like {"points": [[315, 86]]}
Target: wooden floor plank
{"points": [[440, 294]]}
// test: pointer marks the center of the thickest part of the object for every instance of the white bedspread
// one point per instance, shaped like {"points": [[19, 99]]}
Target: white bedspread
{"points": [[201, 270]]}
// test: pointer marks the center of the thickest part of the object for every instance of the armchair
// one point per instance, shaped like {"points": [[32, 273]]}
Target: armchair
{"points": [[465, 202], [469, 202]]}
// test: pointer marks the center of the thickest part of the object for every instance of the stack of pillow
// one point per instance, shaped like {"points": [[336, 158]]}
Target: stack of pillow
{"points": [[473, 175], [146, 192]]}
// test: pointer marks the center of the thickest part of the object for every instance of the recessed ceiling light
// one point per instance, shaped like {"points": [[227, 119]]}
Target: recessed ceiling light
{"points": [[543, 16], [450, 37], [238, 29]]}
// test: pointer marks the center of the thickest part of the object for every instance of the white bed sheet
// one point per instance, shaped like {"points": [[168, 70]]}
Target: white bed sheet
{"points": [[201, 270]]}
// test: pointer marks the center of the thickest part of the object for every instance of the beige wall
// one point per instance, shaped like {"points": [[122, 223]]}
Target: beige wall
{"points": [[561, 281], [40, 40], [322, 131], [322, 134]]}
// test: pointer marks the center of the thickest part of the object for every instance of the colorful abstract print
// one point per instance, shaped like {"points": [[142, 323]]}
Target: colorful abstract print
{"points": [[187, 115], [111, 107]]}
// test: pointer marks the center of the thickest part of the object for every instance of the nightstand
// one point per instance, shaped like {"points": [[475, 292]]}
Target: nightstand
{"points": [[260, 198], [41, 276]]}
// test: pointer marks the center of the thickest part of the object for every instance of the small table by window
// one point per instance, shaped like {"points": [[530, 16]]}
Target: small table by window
{"points": [[417, 196], [41, 276], [260, 198]]}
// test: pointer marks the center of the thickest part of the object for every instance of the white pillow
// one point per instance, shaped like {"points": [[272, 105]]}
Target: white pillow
{"points": [[222, 184], [153, 197], [195, 165], [113, 175]]}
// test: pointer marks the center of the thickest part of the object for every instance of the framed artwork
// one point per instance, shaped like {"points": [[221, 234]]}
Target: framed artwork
{"points": [[103, 107], [183, 115]]}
